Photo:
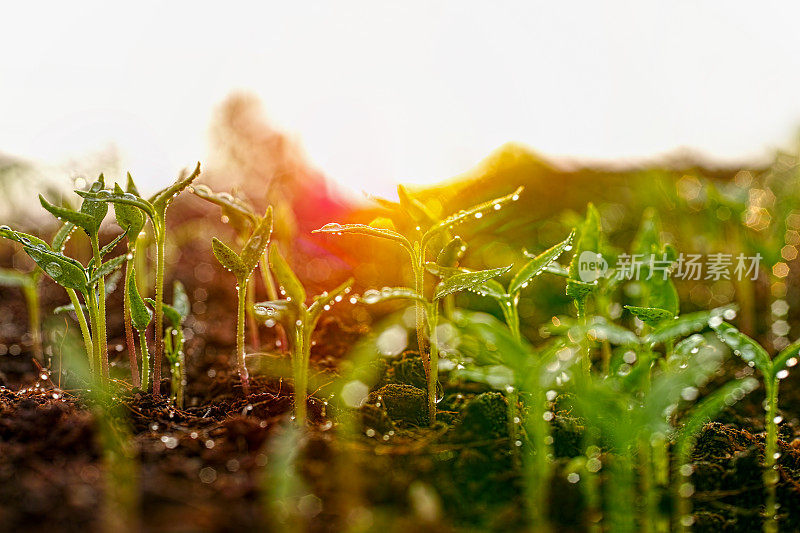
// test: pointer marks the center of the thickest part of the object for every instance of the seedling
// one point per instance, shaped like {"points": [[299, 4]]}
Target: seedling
{"points": [[632, 414], [72, 275], [772, 371], [141, 316], [242, 267], [243, 219], [508, 299], [173, 340], [298, 318], [132, 221], [156, 210], [416, 243], [89, 218], [457, 282]]}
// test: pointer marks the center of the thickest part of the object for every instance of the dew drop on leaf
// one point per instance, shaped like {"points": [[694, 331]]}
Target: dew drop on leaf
{"points": [[54, 270]]}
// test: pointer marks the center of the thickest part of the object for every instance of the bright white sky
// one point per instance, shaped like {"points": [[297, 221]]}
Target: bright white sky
{"points": [[410, 91]]}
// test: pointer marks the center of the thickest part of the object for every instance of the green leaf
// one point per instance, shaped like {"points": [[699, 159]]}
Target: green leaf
{"points": [[652, 316], [239, 213], [258, 242], [461, 216], [105, 250], [452, 252], [163, 198], [470, 281], [129, 217], [685, 324], [791, 351], [415, 209], [363, 229], [494, 289], [141, 315], [599, 329], [744, 347], [130, 186], [648, 237], [124, 198], [96, 210], [68, 308], [107, 268], [180, 300], [556, 269], [24, 239], [443, 272], [173, 315], [286, 277], [64, 270], [82, 220], [374, 296], [536, 266], [229, 259], [61, 236], [578, 290], [589, 241], [328, 298]]}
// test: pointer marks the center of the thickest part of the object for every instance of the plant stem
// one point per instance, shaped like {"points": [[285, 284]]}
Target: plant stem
{"points": [[433, 360], [101, 309], [145, 359], [143, 272], [272, 294], [646, 488], [511, 314], [87, 337], [252, 325], [300, 358], [91, 304], [537, 464], [241, 290], [621, 497], [771, 475], [586, 362], [660, 457], [31, 293], [137, 382], [161, 238]]}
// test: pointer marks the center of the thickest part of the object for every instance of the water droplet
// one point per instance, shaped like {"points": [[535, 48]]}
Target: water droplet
{"points": [[54, 270]]}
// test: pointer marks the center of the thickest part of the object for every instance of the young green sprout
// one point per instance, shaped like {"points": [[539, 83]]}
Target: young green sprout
{"points": [[456, 282], [508, 299], [772, 371], [89, 218], [130, 219], [242, 267], [243, 219], [300, 319], [416, 244], [156, 210], [174, 340], [141, 316]]}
